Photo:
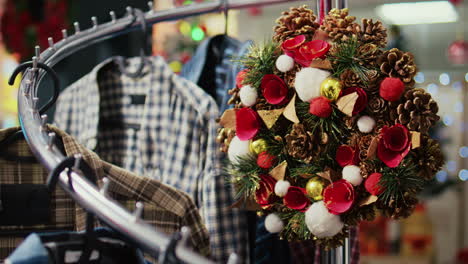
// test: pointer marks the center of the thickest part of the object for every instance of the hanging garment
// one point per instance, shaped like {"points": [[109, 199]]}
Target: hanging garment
{"points": [[161, 126], [44, 249], [212, 67], [164, 207]]}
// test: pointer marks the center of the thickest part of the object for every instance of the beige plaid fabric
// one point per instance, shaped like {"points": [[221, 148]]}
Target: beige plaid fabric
{"points": [[164, 207]]}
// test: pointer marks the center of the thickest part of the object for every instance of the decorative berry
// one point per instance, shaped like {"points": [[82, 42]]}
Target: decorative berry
{"points": [[391, 89], [265, 160], [321, 107], [372, 184]]}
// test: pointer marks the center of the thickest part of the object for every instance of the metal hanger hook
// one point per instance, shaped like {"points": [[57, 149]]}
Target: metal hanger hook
{"points": [[140, 15], [50, 71]]}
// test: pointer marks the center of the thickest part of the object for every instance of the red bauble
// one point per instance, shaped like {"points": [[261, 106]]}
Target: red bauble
{"points": [[247, 123], [391, 89], [339, 196], [321, 107], [240, 78], [265, 160], [274, 89], [457, 52], [296, 198], [345, 155], [394, 145], [372, 184]]}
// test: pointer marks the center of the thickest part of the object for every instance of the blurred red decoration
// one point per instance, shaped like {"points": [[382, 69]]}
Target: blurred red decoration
{"points": [[254, 11], [462, 256], [455, 2], [457, 52], [25, 24]]}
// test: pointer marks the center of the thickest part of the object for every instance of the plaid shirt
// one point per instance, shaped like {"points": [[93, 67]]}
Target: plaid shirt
{"points": [[302, 252], [164, 207], [171, 138]]}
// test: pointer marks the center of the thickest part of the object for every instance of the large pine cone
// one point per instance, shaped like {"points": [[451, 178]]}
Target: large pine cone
{"points": [[374, 33], [401, 208], [301, 144], [378, 108], [429, 157], [398, 64], [417, 110], [350, 79], [368, 55], [296, 21], [340, 26]]}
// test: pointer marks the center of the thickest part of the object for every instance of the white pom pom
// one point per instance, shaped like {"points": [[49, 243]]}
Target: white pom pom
{"points": [[321, 222], [284, 63], [248, 95], [273, 223], [237, 148], [308, 81], [366, 124], [352, 174], [281, 188]]}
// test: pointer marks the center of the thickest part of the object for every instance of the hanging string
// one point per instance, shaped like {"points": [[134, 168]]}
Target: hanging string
{"points": [[321, 12]]}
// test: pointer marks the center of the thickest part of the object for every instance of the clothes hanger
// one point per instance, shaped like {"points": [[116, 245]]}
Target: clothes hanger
{"points": [[137, 14], [56, 91]]}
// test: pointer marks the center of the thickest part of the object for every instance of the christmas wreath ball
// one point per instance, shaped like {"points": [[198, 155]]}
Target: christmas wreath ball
{"points": [[327, 128]]}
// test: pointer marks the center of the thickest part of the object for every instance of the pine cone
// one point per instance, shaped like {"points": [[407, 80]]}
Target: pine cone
{"points": [[398, 64], [262, 104], [296, 21], [224, 138], [399, 209], [301, 144], [364, 143], [290, 76], [378, 107], [374, 33], [339, 26], [367, 168], [368, 55], [429, 157], [234, 92], [350, 79], [373, 83], [417, 110]]}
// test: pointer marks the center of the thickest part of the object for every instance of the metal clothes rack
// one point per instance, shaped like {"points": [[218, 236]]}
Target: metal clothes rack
{"points": [[81, 190]]}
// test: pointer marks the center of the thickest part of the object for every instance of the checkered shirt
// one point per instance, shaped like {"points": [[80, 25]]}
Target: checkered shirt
{"points": [[164, 207], [174, 144], [302, 252]]}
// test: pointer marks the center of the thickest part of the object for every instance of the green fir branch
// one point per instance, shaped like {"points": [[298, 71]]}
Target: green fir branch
{"points": [[296, 228], [243, 174], [333, 125], [260, 60], [346, 56], [398, 181]]}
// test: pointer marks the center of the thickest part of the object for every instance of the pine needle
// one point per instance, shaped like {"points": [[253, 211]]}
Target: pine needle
{"points": [[260, 60], [346, 56], [397, 181]]}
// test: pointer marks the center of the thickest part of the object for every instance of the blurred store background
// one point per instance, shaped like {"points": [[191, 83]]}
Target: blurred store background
{"points": [[435, 31]]}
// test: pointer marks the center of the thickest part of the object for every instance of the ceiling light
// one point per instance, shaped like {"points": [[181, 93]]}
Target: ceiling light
{"points": [[418, 13]]}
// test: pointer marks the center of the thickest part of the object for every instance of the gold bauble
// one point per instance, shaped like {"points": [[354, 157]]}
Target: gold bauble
{"points": [[258, 146], [330, 88], [314, 188]]}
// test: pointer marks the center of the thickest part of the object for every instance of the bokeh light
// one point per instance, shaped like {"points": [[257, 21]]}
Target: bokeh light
{"points": [[451, 165], [463, 174], [444, 79], [198, 34], [433, 89], [441, 176], [419, 78], [463, 151], [457, 86], [448, 120], [185, 28]]}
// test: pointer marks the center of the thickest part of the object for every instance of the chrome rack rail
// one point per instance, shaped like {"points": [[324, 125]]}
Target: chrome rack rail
{"points": [[42, 144]]}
